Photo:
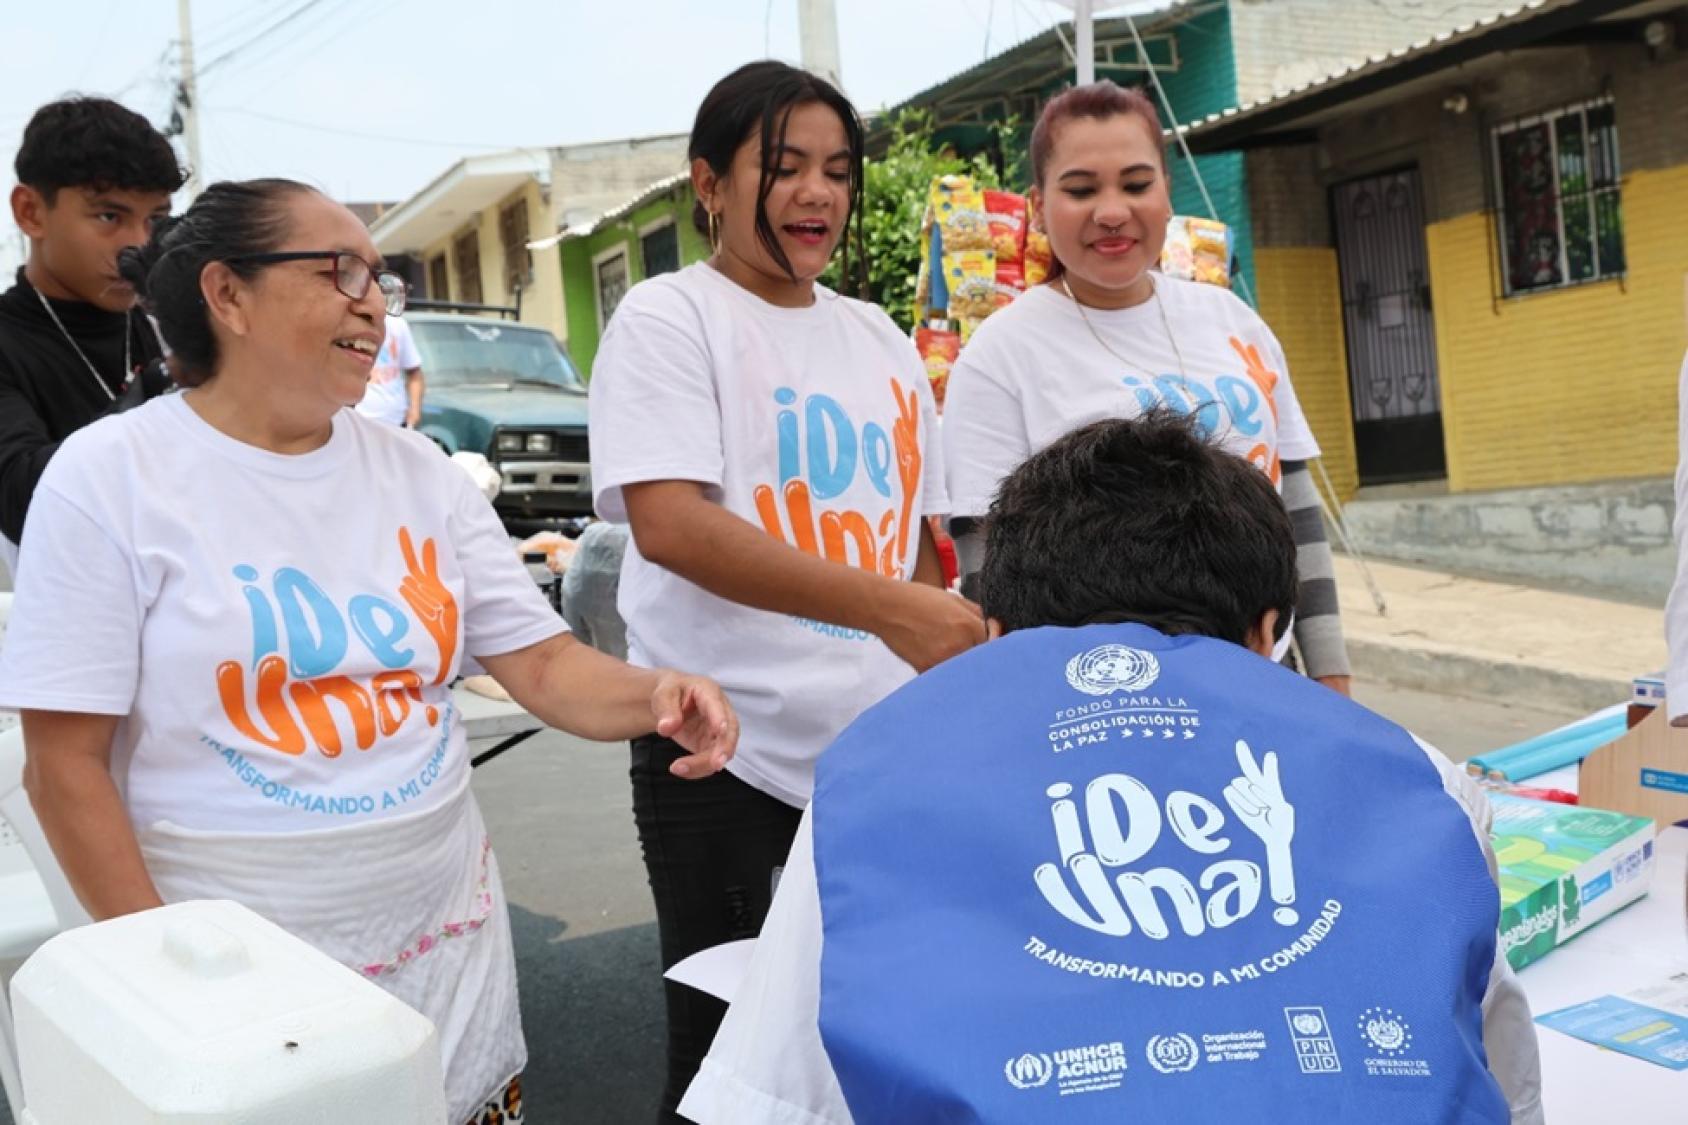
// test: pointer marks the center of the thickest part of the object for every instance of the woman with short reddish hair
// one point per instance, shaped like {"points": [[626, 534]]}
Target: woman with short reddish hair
{"points": [[1108, 336]]}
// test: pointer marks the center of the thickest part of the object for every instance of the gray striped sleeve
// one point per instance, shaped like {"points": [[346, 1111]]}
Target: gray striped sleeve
{"points": [[1318, 622]]}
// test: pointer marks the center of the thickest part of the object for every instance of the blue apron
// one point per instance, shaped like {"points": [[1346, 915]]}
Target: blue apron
{"points": [[1101, 874]]}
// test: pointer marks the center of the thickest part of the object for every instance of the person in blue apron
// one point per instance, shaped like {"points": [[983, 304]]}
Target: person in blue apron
{"points": [[1116, 864]]}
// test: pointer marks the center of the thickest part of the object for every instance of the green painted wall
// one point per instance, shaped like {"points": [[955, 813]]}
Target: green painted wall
{"points": [[1206, 82], [580, 284]]}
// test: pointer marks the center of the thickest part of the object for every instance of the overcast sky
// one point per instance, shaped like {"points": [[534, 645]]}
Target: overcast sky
{"points": [[370, 99]]}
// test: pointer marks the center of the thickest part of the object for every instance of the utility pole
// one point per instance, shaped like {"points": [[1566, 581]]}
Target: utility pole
{"points": [[817, 25], [1084, 46], [187, 101]]}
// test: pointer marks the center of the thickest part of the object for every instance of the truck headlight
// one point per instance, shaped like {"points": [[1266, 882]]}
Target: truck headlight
{"points": [[509, 443], [539, 443]]}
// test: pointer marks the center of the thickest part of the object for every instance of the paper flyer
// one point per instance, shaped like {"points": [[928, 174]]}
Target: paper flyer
{"points": [[1649, 1023]]}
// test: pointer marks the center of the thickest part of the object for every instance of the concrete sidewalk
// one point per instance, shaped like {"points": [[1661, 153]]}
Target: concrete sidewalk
{"points": [[1496, 640]]}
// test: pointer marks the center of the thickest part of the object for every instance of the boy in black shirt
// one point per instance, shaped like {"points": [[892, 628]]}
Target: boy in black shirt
{"points": [[92, 176]]}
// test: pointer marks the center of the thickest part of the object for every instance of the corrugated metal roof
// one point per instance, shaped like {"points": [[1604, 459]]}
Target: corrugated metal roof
{"points": [[1044, 40], [649, 194], [1517, 15]]}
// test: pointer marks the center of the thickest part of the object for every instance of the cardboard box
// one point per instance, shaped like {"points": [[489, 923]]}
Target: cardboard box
{"points": [[1562, 869]]}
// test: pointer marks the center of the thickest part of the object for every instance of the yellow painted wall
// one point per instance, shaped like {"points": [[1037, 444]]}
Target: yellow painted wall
{"points": [[1301, 299], [542, 301], [1570, 385]]}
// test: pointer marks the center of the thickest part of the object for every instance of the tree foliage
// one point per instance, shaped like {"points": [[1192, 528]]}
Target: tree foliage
{"points": [[895, 187]]}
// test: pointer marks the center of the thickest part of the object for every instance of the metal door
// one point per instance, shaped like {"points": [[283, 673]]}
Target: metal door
{"points": [[1391, 337]]}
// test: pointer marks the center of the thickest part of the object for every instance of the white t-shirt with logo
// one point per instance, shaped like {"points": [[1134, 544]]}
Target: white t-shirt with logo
{"points": [[816, 424], [386, 399], [1035, 372], [278, 632], [768, 1065]]}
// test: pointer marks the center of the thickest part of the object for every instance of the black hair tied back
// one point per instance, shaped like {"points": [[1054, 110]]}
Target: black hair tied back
{"points": [[228, 221]]}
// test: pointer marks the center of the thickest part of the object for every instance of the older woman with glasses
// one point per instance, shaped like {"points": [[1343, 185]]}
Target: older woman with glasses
{"points": [[242, 609]]}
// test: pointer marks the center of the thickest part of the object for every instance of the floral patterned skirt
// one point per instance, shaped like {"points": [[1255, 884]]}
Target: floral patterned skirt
{"points": [[505, 1109]]}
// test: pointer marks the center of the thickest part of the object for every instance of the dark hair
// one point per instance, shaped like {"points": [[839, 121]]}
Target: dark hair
{"points": [[1099, 100], [228, 220], [761, 96], [97, 144], [1145, 520]]}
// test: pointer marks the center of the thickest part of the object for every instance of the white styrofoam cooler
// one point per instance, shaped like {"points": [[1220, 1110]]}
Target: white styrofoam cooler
{"points": [[204, 1012]]}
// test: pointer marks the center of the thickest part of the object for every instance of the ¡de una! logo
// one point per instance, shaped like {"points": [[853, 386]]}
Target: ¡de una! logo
{"points": [[1029, 1071], [1107, 669]]}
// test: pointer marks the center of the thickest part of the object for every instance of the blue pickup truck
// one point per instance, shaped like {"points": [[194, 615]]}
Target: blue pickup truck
{"points": [[508, 391]]}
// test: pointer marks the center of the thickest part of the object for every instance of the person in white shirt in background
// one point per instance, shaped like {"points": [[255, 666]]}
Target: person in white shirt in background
{"points": [[396, 384], [234, 671], [1109, 336], [1676, 606], [771, 445]]}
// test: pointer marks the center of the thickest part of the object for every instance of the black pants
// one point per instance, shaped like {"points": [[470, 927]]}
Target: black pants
{"points": [[712, 850]]}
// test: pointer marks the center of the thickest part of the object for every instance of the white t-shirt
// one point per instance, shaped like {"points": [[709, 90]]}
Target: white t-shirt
{"points": [[279, 632], [768, 1065], [815, 424], [386, 399], [1034, 372], [1676, 606]]}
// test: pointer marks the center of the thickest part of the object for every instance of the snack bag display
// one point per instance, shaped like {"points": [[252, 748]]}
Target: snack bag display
{"points": [[938, 348], [1197, 250], [970, 276], [958, 209]]}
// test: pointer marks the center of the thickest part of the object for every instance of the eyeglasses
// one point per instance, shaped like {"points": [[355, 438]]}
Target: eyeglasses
{"points": [[352, 275]]}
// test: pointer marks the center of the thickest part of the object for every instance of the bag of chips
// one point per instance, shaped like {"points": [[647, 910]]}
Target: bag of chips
{"points": [[1197, 250], [970, 276], [1039, 258], [938, 348], [1006, 213], [958, 209]]}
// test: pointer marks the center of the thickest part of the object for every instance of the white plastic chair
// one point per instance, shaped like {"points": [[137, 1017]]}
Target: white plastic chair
{"points": [[36, 901]]}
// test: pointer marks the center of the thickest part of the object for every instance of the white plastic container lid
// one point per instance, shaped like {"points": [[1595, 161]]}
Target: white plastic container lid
{"points": [[205, 1012]]}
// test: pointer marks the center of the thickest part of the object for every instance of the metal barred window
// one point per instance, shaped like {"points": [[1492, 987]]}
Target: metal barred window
{"points": [[439, 279], [467, 251], [513, 234], [611, 269], [1559, 210], [659, 249]]}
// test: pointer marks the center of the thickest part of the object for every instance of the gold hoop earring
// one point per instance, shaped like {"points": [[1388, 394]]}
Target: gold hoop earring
{"points": [[714, 232]]}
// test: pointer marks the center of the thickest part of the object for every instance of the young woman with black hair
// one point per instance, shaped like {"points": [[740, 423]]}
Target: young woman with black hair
{"points": [[234, 669], [771, 444]]}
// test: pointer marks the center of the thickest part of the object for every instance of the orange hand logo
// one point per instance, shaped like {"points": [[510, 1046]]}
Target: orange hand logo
{"points": [[905, 435], [429, 599], [1266, 457]]}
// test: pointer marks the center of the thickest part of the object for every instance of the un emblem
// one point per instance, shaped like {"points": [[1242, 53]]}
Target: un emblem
{"points": [[1110, 668]]}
